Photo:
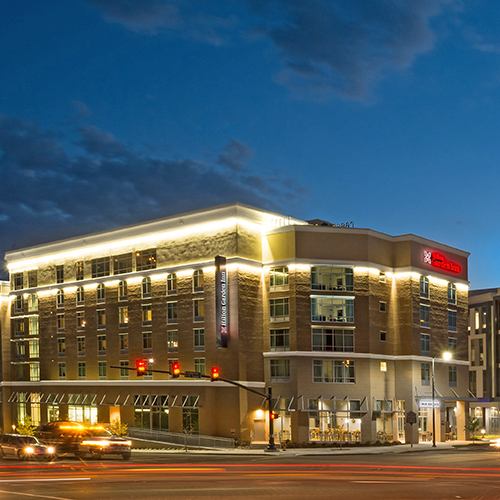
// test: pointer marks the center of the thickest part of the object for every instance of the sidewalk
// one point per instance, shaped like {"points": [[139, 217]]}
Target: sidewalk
{"points": [[361, 450]]}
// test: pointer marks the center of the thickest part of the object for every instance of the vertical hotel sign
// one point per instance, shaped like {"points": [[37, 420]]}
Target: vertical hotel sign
{"points": [[221, 301]]}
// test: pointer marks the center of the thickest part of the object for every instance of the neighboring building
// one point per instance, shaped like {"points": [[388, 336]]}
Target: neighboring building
{"points": [[342, 322], [484, 350], [4, 335]]}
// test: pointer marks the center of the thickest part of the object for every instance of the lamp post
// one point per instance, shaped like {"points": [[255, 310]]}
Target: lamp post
{"points": [[446, 357]]}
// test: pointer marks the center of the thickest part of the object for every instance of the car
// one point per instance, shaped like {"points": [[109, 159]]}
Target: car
{"points": [[99, 441], [83, 439], [24, 447]]}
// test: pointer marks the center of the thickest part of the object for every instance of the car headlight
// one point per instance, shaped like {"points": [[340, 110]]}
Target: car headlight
{"points": [[95, 443], [29, 449], [50, 449], [128, 443]]}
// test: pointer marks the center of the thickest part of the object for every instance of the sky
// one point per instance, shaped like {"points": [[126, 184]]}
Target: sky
{"points": [[382, 112]]}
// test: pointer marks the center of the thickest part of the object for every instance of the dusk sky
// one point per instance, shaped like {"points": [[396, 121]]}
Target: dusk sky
{"points": [[381, 112]]}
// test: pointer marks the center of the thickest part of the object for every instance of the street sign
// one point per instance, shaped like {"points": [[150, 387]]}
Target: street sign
{"points": [[427, 403], [192, 374], [411, 417]]}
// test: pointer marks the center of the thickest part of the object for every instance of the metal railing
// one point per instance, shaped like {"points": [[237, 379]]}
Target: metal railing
{"points": [[186, 440]]}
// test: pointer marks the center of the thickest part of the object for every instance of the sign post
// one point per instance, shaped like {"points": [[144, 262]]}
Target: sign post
{"points": [[411, 418]]}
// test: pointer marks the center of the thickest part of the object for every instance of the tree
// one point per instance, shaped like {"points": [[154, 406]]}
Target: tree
{"points": [[472, 425], [25, 426], [118, 427]]}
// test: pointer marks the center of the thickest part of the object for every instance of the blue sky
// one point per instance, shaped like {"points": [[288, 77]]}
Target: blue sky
{"points": [[384, 113]]}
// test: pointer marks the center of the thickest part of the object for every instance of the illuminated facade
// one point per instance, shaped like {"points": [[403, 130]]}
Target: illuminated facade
{"points": [[484, 352], [342, 322]]}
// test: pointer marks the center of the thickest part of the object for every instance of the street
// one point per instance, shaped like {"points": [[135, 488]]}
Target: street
{"points": [[463, 473]]}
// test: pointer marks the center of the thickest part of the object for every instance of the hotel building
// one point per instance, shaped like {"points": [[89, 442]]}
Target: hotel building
{"points": [[346, 325]]}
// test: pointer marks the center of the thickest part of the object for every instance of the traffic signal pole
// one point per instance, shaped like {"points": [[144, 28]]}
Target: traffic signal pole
{"points": [[269, 396]]}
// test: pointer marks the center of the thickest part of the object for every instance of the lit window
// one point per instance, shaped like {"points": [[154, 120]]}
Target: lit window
{"points": [[101, 319], [61, 347], [172, 284], [332, 309], [34, 372], [147, 315], [424, 315], [79, 270], [332, 278], [33, 327], [19, 327], [32, 302], [172, 340], [34, 348], [279, 310], [101, 345], [278, 279], [122, 263], [145, 259], [80, 320], [383, 366], [332, 371], [424, 287], [60, 322], [198, 280], [123, 316]]}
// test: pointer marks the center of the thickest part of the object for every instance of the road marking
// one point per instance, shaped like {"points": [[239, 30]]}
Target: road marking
{"points": [[34, 496], [39, 480]]}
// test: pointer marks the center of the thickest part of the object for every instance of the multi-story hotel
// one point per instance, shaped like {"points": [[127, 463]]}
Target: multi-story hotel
{"points": [[347, 325], [484, 349]]}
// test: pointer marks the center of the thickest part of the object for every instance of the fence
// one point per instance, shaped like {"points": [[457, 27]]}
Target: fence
{"points": [[188, 440]]}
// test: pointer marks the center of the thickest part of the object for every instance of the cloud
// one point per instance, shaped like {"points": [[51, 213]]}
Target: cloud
{"points": [[48, 194], [327, 47]]}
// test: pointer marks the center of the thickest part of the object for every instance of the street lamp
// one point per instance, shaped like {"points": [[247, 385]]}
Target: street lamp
{"points": [[446, 357]]}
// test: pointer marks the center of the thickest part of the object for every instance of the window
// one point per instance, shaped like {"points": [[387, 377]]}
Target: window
{"points": [[332, 309], [147, 342], [17, 281], [383, 366], [59, 274], [382, 306], [79, 270], [329, 339], [146, 259], [33, 328], [124, 373], [280, 370], [172, 284], [424, 287], [100, 267], [146, 288], [198, 280], [334, 371], [123, 343], [473, 382], [278, 279], [20, 349], [122, 263], [34, 348], [424, 315], [80, 296], [425, 344], [80, 320], [332, 278], [383, 336], [80, 346], [147, 315], [32, 278], [19, 327], [61, 347], [19, 304], [171, 312], [60, 322], [34, 372], [101, 345], [452, 293], [62, 370], [32, 302], [452, 346], [452, 376], [101, 319], [123, 316], [102, 370], [452, 321], [198, 310], [199, 365], [82, 370], [280, 339], [425, 373], [199, 339], [279, 310], [381, 277], [101, 293], [60, 299], [172, 340], [122, 291]]}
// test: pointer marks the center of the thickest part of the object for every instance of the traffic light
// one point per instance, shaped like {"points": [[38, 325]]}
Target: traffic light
{"points": [[273, 415], [175, 370], [215, 374], [140, 366]]}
